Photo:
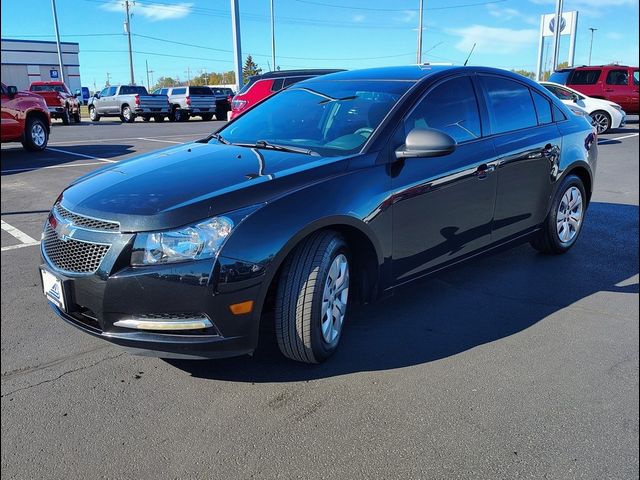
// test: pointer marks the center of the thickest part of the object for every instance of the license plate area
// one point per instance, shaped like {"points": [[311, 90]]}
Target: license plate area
{"points": [[53, 289]]}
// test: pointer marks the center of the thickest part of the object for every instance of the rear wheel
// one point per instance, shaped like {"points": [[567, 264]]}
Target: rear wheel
{"points": [[221, 114], [601, 120], [66, 116], [76, 116], [35, 135], [127, 115], [312, 298], [159, 118], [146, 118], [180, 115], [93, 115], [564, 223], [207, 117]]}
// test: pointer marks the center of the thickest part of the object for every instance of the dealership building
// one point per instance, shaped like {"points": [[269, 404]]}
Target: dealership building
{"points": [[26, 61]]}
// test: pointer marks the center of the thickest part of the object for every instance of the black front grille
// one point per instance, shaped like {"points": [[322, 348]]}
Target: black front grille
{"points": [[88, 223], [72, 255]]}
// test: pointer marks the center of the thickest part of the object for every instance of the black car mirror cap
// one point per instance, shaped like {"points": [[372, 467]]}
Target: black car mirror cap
{"points": [[426, 142], [12, 90]]}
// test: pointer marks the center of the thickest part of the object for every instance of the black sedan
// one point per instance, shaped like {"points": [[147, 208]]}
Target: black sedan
{"points": [[333, 192]]}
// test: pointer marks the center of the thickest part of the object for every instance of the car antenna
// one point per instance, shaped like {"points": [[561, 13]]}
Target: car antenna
{"points": [[468, 56]]}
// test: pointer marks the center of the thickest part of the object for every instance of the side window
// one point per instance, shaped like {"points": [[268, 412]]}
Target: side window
{"points": [[451, 107], [291, 80], [585, 77], [179, 91], [635, 77], [617, 77], [558, 116], [276, 86], [164, 91], [543, 108], [104, 92], [112, 91], [510, 104]]}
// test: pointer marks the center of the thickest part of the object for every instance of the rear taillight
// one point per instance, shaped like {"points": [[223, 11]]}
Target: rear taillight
{"points": [[188, 100], [137, 100], [229, 98], [238, 104]]}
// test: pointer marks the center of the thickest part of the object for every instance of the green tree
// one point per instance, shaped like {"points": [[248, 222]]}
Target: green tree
{"points": [[250, 68], [163, 82], [525, 73]]}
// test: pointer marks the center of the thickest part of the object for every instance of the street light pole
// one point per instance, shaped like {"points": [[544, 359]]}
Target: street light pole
{"points": [[273, 37], [237, 50], [591, 45], [55, 23], [419, 59], [128, 27]]}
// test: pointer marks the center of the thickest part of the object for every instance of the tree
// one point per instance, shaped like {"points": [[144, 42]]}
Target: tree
{"points": [[250, 68], [164, 82], [525, 73]]}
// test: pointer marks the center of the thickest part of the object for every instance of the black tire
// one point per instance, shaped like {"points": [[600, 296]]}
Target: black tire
{"points": [[298, 309], [127, 115], [35, 130], [221, 114], [207, 117], [66, 116], [93, 115], [76, 116], [146, 118], [180, 115], [601, 120], [158, 118], [547, 240]]}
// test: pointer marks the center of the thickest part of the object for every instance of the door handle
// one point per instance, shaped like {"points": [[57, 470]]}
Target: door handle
{"points": [[483, 170], [608, 89]]}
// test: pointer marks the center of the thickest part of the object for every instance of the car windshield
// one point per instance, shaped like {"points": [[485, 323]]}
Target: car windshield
{"points": [[327, 117], [48, 88]]}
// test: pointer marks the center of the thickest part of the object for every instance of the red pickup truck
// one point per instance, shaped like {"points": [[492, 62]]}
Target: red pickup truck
{"points": [[61, 102], [25, 118]]}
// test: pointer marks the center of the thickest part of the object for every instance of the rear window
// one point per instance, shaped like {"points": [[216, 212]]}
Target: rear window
{"points": [[585, 77], [291, 80], [617, 77], [200, 91], [560, 77], [132, 90], [510, 105], [48, 88], [276, 86], [178, 91]]}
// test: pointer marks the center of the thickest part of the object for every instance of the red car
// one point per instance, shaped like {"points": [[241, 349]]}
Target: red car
{"points": [[62, 103], [616, 83], [262, 86], [25, 118]]}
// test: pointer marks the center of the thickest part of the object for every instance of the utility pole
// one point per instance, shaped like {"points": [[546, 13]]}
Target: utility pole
{"points": [[556, 34], [108, 77], [55, 24], [419, 59], [127, 27], [188, 72], [273, 37], [237, 49], [591, 45], [146, 65]]}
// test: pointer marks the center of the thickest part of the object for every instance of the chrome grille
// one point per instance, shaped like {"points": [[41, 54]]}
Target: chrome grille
{"points": [[72, 255], [88, 223]]}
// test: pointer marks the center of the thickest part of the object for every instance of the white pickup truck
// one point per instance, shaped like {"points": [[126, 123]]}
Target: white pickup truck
{"points": [[194, 101], [128, 102]]}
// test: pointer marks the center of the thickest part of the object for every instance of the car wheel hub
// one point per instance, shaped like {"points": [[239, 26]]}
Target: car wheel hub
{"points": [[601, 121], [38, 135], [569, 215], [334, 299]]}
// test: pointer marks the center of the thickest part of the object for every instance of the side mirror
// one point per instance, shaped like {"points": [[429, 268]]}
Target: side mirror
{"points": [[575, 98], [427, 142], [96, 95], [12, 90]]}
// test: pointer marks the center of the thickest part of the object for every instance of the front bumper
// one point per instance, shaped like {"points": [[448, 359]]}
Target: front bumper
{"points": [[56, 112]]}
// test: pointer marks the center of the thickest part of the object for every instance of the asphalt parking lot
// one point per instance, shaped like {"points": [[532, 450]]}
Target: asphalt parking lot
{"points": [[517, 365]]}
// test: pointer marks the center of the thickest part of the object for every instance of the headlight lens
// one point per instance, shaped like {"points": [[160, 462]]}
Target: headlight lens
{"points": [[195, 242], [617, 107]]}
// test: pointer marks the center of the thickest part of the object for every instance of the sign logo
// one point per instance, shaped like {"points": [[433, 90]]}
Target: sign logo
{"points": [[53, 74], [64, 229], [552, 24]]}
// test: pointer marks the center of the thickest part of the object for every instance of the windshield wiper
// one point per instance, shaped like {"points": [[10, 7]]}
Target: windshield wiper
{"points": [[217, 136], [274, 146]]}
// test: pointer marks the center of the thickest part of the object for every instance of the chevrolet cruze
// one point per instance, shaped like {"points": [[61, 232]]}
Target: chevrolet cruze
{"points": [[333, 192]]}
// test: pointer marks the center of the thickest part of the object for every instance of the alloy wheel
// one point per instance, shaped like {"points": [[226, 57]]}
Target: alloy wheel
{"points": [[569, 215], [601, 121], [334, 299], [38, 135]]}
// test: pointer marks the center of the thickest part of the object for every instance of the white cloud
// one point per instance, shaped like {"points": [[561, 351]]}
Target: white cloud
{"points": [[153, 12], [499, 41], [359, 18], [511, 14]]}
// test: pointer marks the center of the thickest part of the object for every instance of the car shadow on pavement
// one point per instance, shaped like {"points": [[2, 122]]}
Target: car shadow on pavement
{"points": [[481, 302], [17, 160]]}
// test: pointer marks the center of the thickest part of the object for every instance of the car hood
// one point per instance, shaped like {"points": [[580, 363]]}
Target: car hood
{"points": [[190, 182]]}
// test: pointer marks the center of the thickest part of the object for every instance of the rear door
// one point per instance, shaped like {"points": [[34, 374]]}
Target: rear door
{"points": [[443, 206], [618, 87], [528, 143]]}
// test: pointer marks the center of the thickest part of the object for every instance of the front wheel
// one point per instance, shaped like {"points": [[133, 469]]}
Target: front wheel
{"points": [[66, 116], [36, 135], [206, 117], [93, 115], [563, 224], [601, 120], [76, 116], [312, 298]]}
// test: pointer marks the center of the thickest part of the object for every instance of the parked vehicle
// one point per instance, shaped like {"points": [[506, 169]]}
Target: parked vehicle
{"points": [[616, 83], [605, 114], [263, 86], [332, 192], [128, 102], [61, 102], [192, 101], [25, 119], [226, 93], [85, 95]]}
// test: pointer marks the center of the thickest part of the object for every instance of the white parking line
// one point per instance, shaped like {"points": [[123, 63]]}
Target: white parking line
{"points": [[75, 142], [82, 155], [624, 136], [156, 140], [71, 165], [26, 240]]}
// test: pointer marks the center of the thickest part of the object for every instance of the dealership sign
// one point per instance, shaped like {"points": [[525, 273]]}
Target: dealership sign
{"points": [[568, 26], [53, 74]]}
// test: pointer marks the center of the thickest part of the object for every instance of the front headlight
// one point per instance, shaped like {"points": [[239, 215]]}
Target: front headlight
{"points": [[616, 106], [194, 242]]}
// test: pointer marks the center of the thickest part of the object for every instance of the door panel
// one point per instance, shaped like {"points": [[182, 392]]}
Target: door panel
{"points": [[442, 208], [528, 165], [618, 88], [10, 127]]}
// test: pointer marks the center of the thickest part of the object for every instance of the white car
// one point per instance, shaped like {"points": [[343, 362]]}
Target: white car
{"points": [[604, 114]]}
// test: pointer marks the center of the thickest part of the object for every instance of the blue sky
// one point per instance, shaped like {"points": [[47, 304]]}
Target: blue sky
{"points": [[316, 33]]}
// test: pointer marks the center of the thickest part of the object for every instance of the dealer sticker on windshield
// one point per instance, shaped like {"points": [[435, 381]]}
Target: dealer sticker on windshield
{"points": [[53, 289]]}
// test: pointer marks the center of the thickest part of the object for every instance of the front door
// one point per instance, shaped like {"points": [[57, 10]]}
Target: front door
{"points": [[443, 206], [10, 128]]}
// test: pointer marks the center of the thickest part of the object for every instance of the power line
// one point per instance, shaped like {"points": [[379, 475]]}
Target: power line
{"points": [[371, 9]]}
